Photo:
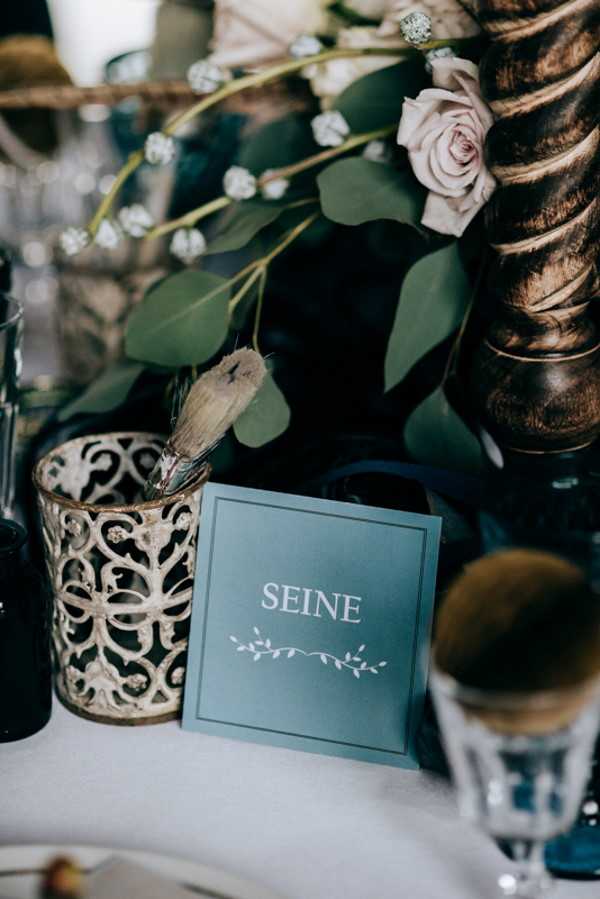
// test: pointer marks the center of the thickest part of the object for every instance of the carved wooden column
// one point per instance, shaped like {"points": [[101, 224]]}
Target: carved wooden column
{"points": [[535, 379]]}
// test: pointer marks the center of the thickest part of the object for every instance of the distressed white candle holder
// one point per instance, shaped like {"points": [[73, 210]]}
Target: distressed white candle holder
{"points": [[122, 576]]}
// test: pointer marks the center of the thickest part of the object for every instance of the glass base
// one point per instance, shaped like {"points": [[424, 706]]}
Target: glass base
{"points": [[533, 885], [529, 878]]}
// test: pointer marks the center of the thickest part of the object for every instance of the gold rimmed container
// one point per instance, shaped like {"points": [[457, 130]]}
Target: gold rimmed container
{"points": [[121, 572]]}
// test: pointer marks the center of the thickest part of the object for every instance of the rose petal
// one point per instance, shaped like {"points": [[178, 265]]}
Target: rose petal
{"points": [[449, 162], [454, 182], [449, 215], [448, 185], [425, 173], [445, 71], [415, 113]]}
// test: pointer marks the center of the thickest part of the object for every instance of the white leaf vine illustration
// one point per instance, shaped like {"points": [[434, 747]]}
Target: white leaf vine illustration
{"points": [[260, 647]]}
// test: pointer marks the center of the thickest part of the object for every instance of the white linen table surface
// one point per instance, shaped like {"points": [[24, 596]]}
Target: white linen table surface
{"points": [[307, 826]]}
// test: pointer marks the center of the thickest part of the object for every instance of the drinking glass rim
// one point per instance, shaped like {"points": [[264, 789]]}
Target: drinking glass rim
{"points": [[509, 700], [13, 317]]}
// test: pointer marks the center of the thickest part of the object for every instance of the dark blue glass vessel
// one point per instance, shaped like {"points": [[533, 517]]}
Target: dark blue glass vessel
{"points": [[25, 668]]}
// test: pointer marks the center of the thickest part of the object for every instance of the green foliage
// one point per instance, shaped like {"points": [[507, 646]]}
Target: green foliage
{"points": [[183, 321], [278, 144], [243, 225], [375, 100], [435, 435], [265, 418], [107, 391], [433, 301], [356, 190]]}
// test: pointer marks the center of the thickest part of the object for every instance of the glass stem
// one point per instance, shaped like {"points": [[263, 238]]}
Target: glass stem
{"points": [[529, 879]]}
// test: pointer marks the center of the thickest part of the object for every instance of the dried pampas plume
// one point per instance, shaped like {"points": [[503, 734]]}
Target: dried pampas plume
{"points": [[216, 400], [213, 404]]}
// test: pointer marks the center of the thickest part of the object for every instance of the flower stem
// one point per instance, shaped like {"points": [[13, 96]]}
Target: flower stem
{"points": [[259, 305], [289, 67], [130, 166], [241, 293], [257, 79], [356, 141], [256, 268], [290, 237], [190, 218]]}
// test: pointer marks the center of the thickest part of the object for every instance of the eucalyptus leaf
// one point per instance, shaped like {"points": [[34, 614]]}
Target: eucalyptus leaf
{"points": [[435, 435], [375, 100], [266, 417], [243, 225], [355, 190], [433, 301], [107, 391], [183, 321]]}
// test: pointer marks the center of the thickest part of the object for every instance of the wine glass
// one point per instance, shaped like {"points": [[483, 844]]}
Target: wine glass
{"points": [[560, 515], [519, 777]]}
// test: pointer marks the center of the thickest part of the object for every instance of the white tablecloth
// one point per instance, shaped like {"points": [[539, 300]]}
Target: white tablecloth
{"points": [[308, 826]]}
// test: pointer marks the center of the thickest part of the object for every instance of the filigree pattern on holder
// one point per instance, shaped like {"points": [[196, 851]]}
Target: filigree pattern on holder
{"points": [[122, 577]]}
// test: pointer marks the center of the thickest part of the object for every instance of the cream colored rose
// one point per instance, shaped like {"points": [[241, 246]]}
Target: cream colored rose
{"points": [[328, 79], [253, 32], [371, 9], [444, 130]]}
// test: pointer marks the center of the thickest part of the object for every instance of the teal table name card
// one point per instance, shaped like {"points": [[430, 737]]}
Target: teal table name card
{"points": [[311, 624]]}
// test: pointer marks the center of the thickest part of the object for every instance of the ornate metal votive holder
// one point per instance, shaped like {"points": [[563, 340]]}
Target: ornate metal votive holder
{"points": [[122, 576]]}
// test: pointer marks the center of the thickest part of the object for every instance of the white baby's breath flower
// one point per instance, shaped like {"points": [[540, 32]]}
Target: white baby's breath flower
{"points": [[330, 129], [73, 241], [205, 76], [135, 220], [275, 189], [305, 45], [159, 148], [416, 28], [377, 151], [108, 235], [436, 53], [188, 244], [239, 183], [448, 18]]}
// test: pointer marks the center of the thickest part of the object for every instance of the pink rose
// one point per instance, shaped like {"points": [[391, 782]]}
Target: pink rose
{"points": [[443, 130]]}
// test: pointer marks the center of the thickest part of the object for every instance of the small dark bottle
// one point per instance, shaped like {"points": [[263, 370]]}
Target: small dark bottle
{"points": [[25, 668], [5, 270]]}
